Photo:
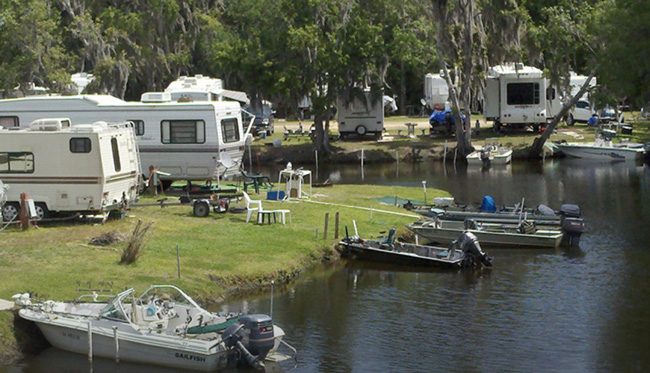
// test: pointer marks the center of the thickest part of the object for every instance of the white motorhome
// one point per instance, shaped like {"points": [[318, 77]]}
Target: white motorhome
{"points": [[361, 116], [189, 141], [88, 168], [515, 95], [583, 109], [436, 92]]}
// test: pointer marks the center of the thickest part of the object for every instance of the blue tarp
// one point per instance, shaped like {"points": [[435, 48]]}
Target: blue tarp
{"points": [[439, 117]]}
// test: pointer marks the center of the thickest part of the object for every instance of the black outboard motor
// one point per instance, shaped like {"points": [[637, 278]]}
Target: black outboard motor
{"points": [[572, 224], [468, 242], [252, 336], [485, 157], [570, 211]]}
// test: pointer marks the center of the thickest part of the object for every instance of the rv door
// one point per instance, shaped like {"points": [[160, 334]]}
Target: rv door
{"points": [[492, 99]]}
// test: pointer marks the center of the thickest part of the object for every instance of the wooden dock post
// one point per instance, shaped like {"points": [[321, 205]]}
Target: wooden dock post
{"points": [[336, 225], [327, 220], [444, 154], [362, 157]]}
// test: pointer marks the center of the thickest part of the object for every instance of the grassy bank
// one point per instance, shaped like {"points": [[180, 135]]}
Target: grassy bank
{"points": [[219, 253]]}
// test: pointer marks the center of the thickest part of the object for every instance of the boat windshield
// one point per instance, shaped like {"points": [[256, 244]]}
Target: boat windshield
{"points": [[167, 293], [114, 309]]}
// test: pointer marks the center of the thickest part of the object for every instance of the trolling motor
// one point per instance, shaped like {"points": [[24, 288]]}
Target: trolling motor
{"points": [[468, 243], [252, 336]]}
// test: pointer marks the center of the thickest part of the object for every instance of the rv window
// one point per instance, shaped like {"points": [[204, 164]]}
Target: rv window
{"points": [[582, 105], [550, 93], [230, 130], [183, 131], [116, 154], [138, 125], [17, 163], [9, 122], [523, 93], [80, 145]]}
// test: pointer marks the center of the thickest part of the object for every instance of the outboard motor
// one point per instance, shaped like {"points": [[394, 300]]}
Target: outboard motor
{"points": [[252, 336], [485, 157], [570, 211], [468, 243], [573, 228]]}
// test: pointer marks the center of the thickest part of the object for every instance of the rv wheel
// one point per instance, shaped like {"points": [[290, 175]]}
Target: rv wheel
{"points": [[41, 211], [570, 121], [10, 211], [361, 130]]}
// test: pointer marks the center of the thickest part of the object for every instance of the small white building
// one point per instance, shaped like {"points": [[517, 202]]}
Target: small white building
{"points": [[515, 95], [190, 141], [89, 168]]}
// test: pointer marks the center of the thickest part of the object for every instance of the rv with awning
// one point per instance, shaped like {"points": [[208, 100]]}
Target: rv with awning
{"points": [[187, 140], [89, 168]]}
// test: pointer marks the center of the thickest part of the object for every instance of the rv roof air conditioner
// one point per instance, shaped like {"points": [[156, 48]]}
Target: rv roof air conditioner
{"points": [[156, 97], [50, 124]]}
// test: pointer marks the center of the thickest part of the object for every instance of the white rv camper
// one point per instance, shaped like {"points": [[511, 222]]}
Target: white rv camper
{"points": [[202, 88], [515, 95], [85, 168], [583, 109], [361, 116], [189, 141], [436, 92]]}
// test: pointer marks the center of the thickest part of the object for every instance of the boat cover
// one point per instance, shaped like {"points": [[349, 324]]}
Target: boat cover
{"points": [[211, 328], [488, 204]]}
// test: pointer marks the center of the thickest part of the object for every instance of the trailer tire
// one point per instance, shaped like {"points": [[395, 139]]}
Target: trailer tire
{"points": [[41, 211], [361, 130], [570, 121], [201, 209], [10, 211]]}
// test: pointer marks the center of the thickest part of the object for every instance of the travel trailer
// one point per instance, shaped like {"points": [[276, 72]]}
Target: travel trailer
{"points": [[583, 109], [436, 92], [89, 168], [188, 141], [515, 95], [363, 116]]}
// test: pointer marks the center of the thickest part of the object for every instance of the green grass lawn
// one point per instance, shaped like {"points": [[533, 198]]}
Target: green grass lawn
{"points": [[218, 252]]}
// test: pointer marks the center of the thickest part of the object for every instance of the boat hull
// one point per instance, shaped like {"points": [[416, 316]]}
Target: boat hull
{"points": [[498, 239], [131, 350], [361, 252], [602, 153]]}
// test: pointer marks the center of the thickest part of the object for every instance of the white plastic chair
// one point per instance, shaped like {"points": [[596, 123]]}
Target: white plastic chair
{"points": [[251, 205]]}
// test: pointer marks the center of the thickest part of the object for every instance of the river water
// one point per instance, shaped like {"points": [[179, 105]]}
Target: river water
{"points": [[585, 309]]}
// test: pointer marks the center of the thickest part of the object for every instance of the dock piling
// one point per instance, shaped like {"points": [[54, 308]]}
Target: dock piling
{"points": [[90, 341], [327, 220], [336, 225], [117, 345]]}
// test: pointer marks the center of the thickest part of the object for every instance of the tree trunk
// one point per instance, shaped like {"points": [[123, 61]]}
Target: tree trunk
{"points": [[321, 137], [538, 143], [402, 89], [462, 141]]}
